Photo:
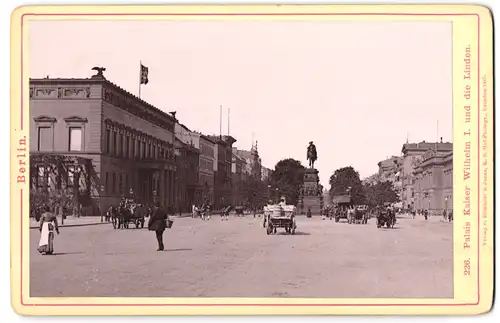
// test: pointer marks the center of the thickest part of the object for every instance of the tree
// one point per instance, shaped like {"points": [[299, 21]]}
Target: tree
{"points": [[345, 178], [48, 181], [254, 191], [380, 193], [287, 177]]}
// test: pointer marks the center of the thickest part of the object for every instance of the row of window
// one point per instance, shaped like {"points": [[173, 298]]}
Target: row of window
{"points": [[206, 165], [46, 138], [116, 183], [45, 177], [122, 144], [206, 150]]}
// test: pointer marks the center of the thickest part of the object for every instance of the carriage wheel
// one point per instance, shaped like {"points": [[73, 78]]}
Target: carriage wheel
{"points": [[294, 226], [269, 229]]}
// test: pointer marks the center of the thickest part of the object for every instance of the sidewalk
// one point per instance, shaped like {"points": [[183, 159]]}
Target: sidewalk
{"points": [[71, 221]]}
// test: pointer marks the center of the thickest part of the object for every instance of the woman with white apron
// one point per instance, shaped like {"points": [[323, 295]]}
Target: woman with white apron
{"points": [[48, 224]]}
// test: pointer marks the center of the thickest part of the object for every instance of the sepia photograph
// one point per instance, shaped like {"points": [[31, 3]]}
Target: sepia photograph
{"points": [[243, 157]]}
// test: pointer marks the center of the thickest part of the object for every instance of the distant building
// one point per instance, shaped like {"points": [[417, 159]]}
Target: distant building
{"points": [[253, 161], [371, 180], [238, 166], [433, 182], [266, 173], [188, 190], [412, 154], [222, 170], [113, 144], [389, 170], [206, 166]]}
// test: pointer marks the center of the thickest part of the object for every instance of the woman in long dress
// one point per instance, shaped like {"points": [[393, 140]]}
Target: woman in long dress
{"points": [[48, 224]]}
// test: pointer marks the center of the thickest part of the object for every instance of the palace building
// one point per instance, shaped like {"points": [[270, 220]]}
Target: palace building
{"points": [[433, 182], [95, 140], [412, 153]]}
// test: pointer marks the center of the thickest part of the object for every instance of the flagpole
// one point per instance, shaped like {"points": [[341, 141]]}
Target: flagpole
{"points": [[220, 122], [140, 78]]}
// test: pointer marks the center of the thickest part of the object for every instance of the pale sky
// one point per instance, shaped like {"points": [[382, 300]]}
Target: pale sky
{"points": [[354, 88]]}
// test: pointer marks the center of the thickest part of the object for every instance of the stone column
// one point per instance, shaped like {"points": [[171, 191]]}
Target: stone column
{"points": [[172, 192], [167, 185], [161, 193]]}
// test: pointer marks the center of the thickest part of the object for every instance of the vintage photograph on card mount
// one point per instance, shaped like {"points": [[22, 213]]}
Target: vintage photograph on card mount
{"points": [[252, 160]]}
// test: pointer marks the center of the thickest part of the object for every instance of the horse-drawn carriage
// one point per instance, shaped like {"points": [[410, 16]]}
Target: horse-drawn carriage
{"points": [[129, 212], [386, 217], [239, 210], [357, 215], [341, 204], [280, 216]]}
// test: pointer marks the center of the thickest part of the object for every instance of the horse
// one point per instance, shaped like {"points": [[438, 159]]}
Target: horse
{"points": [[386, 218], [225, 212], [124, 215], [350, 215]]}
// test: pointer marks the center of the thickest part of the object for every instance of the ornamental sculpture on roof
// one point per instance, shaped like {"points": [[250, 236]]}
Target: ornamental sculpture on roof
{"points": [[99, 70]]}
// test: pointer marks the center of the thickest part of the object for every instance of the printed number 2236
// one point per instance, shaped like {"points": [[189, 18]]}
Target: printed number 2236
{"points": [[467, 267]]}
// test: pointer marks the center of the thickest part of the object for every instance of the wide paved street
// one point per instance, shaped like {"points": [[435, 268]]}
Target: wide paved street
{"points": [[236, 258]]}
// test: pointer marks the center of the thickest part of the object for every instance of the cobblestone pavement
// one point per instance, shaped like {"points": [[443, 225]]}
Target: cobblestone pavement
{"points": [[236, 258]]}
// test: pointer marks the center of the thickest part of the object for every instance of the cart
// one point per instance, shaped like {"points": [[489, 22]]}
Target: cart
{"points": [[239, 210], [341, 203], [386, 218], [278, 216]]}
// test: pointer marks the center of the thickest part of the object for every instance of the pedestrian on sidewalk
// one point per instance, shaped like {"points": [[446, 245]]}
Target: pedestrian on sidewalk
{"points": [[158, 223], [48, 224]]}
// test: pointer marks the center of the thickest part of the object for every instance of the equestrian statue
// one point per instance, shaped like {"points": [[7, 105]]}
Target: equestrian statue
{"points": [[312, 154]]}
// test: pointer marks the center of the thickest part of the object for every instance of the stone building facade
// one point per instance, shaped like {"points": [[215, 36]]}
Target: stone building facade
{"points": [[188, 190], [128, 142], [223, 189], [206, 148], [389, 170], [433, 182], [253, 162], [266, 173], [412, 153], [238, 178]]}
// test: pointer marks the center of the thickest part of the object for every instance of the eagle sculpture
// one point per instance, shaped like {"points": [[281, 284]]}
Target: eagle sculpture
{"points": [[99, 71]]}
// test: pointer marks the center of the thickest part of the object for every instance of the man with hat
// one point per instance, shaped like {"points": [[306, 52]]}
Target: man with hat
{"points": [[157, 223]]}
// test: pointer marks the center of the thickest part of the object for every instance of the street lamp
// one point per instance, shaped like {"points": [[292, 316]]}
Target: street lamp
{"points": [[277, 195]]}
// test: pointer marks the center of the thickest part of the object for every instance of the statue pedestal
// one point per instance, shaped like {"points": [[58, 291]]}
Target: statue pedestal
{"points": [[311, 193]]}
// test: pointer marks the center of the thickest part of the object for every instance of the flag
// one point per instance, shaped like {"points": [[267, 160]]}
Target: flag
{"points": [[144, 74]]}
